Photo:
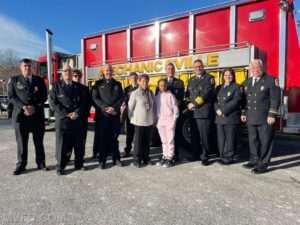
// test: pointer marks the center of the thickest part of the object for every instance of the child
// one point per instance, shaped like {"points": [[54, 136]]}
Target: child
{"points": [[166, 114]]}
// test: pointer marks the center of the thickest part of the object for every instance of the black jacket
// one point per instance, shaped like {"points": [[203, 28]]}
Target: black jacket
{"points": [[228, 100], [262, 100], [200, 92], [20, 94], [105, 95], [177, 88], [64, 101]]}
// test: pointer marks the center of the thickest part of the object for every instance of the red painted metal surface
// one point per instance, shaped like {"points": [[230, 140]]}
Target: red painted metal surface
{"points": [[143, 43], [263, 34], [93, 57], [116, 47], [293, 72], [175, 36], [212, 28]]}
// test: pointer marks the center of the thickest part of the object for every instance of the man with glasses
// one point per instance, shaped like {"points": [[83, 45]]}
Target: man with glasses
{"points": [[28, 93], [69, 104], [200, 93]]}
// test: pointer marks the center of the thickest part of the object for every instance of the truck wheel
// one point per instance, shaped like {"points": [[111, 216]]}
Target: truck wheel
{"points": [[184, 135]]}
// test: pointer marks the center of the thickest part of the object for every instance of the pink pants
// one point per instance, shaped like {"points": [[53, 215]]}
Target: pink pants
{"points": [[166, 130]]}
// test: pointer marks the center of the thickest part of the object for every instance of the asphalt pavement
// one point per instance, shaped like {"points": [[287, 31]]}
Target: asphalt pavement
{"points": [[185, 194]]}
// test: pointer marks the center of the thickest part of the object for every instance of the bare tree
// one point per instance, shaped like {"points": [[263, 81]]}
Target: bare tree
{"points": [[9, 66]]}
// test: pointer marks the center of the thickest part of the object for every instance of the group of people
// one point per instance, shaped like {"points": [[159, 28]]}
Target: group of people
{"points": [[256, 102]]}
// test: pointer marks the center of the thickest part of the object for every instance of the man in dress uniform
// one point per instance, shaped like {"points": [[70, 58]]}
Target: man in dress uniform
{"points": [[28, 93], [262, 100], [176, 87], [77, 75], [200, 94], [108, 96], [69, 104], [133, 77]]}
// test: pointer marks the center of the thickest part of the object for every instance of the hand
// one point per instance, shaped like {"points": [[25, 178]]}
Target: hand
{"points": [[28, 110], [270, 120], [219, 112], [243, 119], [110, 110], [123, 108], [191, 107]]}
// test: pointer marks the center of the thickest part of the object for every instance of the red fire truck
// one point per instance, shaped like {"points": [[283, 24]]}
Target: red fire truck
{"points": [[229, 34]]}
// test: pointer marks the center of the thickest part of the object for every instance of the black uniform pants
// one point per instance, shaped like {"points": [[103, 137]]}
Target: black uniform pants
{"points": [[141, 148], [22, 131], [200, 135], [129, 135], [261, 143], [108, 129], [66, 139], [227, 141]]}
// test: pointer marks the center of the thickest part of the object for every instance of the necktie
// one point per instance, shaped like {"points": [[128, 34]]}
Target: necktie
{"points": [[27, 82], [255, 81]]}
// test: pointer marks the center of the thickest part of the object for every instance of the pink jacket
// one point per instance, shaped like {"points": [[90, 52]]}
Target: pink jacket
{"points": [[166, 108]]}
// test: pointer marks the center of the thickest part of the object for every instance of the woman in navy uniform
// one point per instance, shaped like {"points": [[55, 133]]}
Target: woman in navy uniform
{"points": [[28, 93], [228, 112]]}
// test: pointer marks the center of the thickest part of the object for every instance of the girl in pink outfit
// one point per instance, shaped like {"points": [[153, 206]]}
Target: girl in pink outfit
{"points": [[166, 114]]}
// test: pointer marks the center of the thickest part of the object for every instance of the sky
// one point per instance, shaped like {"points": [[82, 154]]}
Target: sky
{"points": [[23, 23]]}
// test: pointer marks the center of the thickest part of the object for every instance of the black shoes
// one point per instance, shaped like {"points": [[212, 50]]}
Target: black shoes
{"points": [[204, 162], [102, 165], [117, 163], [224, 162], [260, 169], [43, 167], [168, 163], [82, 168], [60, 172], [249, 165], [19, 170], [136, 164]]}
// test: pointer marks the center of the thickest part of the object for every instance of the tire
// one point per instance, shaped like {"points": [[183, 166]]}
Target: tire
{"points": [[184, 133]]}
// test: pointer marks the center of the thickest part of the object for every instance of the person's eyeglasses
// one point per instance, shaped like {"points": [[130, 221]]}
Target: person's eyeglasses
{"points": [[79, 76]]}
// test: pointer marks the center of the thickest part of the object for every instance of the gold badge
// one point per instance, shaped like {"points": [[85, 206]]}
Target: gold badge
{"points": [[246, 88], [36, 88], [277, 82], [262, 88]]}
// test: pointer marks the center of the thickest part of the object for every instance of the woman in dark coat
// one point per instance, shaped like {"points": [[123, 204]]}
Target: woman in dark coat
{"points": [[228, 112]]}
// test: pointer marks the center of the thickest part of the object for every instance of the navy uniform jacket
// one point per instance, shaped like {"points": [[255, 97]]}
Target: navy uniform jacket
{"points": [[262, 100], [200, 92], [228, 100], [20, 94], [177, 88], [105, 95], [127, 92], [64, 101]]}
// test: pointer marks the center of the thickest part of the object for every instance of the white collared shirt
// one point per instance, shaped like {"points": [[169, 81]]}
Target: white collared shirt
{"points": [[255, 79]]}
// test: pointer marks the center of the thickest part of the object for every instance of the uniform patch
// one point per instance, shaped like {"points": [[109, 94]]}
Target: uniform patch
{"points": [[246, 88], [229, 93], [36, 88], [212, 81], [199, 100], [262, 88], [21, 85], [277, 82]]}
